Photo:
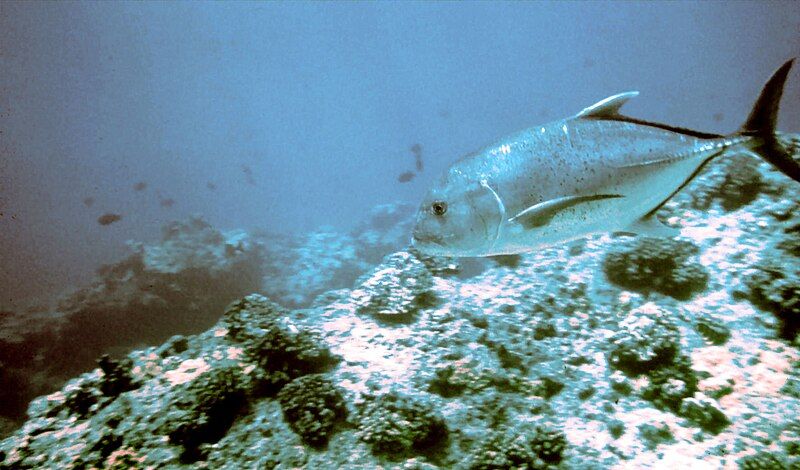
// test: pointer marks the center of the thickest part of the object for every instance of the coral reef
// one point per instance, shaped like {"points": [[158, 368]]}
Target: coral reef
{"points": [[654, 434], [203, 409], [646, 340], [397, 426], [539, 448], [159, 406], [384, 230], [283, 354], [774, 284], [117, 377], [713, 329], [705, 412], [298, 270], [179, 285], [312, 406], [736, 182], [397, 287], [670, 385], [548, 443], [656, 265], [504, 450], [319, 261], [761, 461], [408, 363]]}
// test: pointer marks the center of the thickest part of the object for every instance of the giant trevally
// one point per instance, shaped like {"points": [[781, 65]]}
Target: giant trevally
{"points": [[597, 171]]}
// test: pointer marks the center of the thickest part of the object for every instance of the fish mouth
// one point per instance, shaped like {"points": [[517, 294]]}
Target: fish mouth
{"points": [[418, 238]]}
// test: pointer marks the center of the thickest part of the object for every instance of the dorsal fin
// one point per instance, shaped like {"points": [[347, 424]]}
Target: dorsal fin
{"points": [[607, 108]]}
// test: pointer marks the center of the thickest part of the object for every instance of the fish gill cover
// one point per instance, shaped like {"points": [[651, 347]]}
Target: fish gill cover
{"points": [[591, 354]]}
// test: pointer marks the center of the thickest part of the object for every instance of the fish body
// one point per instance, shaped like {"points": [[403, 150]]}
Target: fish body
{"points": [[616, 172], [598, 171]]}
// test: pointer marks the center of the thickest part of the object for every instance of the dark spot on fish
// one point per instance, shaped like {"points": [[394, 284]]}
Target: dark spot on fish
{"points": [[108, 219], [211, 186], [405, 177], [718, 117], [248, 175], [140, 186], [168, 202], [88, 201]]}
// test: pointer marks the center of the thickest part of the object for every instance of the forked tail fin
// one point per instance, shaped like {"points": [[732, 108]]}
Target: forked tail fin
{"points": [[761, 123]]}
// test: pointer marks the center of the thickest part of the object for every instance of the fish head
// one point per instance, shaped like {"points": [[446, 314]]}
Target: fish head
{"points": [[460, 216]]}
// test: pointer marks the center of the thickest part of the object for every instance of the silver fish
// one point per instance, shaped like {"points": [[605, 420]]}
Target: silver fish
{"points": [[598, 171]]}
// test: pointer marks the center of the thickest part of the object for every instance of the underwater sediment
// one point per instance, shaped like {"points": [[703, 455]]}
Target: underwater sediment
{"points": [[608, 351]]}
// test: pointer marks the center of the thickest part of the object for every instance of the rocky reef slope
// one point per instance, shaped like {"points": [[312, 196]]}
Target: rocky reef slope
{"points": [[607, 352], [179, 285]]}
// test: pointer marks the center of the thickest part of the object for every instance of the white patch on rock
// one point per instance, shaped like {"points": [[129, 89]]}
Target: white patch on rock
{"points": [[187, 371]]}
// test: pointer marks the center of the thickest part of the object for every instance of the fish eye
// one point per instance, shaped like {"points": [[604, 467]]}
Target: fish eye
{"points": [[439, 207]]}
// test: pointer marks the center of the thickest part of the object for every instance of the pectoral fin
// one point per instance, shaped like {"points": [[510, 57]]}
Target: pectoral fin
{"points": [[651, 227], [541, 214]]}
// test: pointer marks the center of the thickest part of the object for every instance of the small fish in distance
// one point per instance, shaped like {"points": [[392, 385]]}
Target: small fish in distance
{"points": [[140, 186], [166, 202], [416, 149], [108, 218], [248, 175], [596, 172], [211, 186], [405, 177], [88, 201]]}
